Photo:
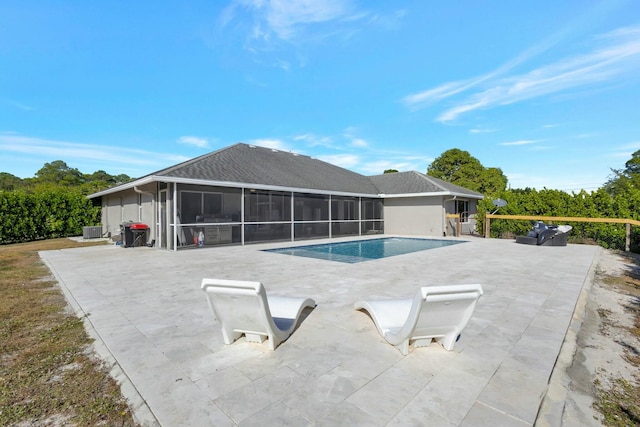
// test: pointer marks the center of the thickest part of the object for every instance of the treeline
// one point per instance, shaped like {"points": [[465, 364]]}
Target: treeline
{"points": [[52, 204], [619, 197], [59, 174]]}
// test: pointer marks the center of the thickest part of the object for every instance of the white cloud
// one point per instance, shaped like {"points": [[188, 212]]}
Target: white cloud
{"points": [[61, 150], [618, 53], [600, 65], [347, 161], [354, 141], [400, 163], [568, 183], [86, 155], [631, 146], [420, 100], [283, 16], [275, 144], [194, 140], [272, 27], [313, 140], [389, 22], [481, 130], [359, 142], [520, 142], [585, 135], [351, 153], [625, 151], [17, 105], [283, 19]]}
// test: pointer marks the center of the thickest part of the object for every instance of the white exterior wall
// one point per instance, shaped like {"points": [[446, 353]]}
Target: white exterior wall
{"points": [[422, 216], [125, 206], [147, 209], [111, 214]]}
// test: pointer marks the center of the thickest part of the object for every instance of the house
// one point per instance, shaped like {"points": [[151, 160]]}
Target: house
{"points": [[245, 194]]}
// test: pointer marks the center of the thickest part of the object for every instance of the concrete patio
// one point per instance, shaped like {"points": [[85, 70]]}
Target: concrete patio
{"points": [[151, 321]]}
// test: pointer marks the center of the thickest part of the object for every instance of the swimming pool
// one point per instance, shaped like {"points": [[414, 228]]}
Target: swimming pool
{"points": [[364, 250]]}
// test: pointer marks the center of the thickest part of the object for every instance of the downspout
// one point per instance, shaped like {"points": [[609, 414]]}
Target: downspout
{"points": [[148, 193], [444, 216], [137, 190]]}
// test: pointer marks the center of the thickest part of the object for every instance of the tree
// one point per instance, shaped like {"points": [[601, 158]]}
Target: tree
{"points": [[492, 181], [57, 172], [632, 166], [9, 182], [101, 176], [122, 178], [626, 179], [461, 168], [390, 171]]}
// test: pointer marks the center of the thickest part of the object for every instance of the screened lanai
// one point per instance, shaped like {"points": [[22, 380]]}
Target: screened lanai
{"points": [[245, 194], [216, 215]]}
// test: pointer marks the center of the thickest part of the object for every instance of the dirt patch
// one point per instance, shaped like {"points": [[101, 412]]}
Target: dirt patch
{"points": [[604, 375]]}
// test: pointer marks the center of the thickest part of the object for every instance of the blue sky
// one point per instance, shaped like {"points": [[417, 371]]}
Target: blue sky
{"points": [[548, 91]]}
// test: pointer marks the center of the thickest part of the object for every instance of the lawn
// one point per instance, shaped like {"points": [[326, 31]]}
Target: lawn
{"points": [[49, 374]]}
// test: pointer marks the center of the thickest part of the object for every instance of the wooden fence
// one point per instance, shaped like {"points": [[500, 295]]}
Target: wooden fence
{"points": [[556, 219]]}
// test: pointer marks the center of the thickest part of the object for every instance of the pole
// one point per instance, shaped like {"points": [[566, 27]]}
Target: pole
{"points": [[627, 243]]}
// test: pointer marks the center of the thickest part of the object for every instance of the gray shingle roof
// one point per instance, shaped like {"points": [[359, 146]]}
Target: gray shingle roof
{"points": [[416, 182], [248, 164], [258, 165]]}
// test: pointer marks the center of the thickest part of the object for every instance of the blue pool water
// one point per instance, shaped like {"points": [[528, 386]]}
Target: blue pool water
{"points": [[364, 250]]}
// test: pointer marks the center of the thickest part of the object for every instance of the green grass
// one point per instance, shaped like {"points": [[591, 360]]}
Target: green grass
{"points": [[48, 373], [618, 403]]}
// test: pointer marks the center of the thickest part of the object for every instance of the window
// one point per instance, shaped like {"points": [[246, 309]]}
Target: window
{"points": [[198, 206], [462, 209], [267, 206], [311, 207], [372, 209], [344, 208]]}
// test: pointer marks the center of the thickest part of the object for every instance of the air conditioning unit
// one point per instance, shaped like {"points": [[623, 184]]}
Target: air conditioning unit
{"points": [[94, 232]]}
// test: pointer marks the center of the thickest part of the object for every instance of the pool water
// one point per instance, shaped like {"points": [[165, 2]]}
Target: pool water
{"points": [[364, 250]]}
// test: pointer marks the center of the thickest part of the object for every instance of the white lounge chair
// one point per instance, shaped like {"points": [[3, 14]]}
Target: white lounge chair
{"points": [[243, 308], [437, 313]]}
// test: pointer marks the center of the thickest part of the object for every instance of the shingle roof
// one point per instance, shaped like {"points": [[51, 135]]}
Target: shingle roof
{"points": [[416, 182], [258, 165], [248, 164]]}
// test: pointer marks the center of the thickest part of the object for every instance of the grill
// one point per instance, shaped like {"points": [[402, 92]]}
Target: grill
{"points": [[135, 234]]}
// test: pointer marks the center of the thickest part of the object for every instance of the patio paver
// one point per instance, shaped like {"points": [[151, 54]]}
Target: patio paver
{"points": [[146, 310]]}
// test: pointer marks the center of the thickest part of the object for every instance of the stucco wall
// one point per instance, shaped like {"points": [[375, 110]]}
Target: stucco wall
{"points": [[421, 216], [125, 206], [111, 214], [147, 211]]}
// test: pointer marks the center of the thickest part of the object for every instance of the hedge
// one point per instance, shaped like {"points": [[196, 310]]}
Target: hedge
{"points": [[595, 204], [46, 214]]}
